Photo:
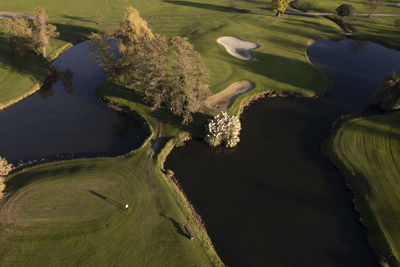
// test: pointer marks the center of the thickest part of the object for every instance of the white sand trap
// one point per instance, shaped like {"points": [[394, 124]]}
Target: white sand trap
{"points": [[4, 15], [224, 99], [236, 47]]}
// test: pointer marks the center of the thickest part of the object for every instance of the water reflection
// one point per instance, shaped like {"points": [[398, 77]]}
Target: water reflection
{"points": [[275, 195], [65, 118]]}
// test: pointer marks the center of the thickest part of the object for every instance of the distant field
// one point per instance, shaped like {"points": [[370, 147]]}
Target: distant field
{"points": [[382, 29], [72, 214], [367, 150]]}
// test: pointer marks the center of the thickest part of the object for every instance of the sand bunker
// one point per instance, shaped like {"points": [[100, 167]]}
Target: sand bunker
{"points": [[224, 99], [236, 47], [4, 15]]}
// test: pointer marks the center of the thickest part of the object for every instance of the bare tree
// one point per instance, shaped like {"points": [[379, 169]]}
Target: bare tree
{"points": [[42, 31], [373, 5]]}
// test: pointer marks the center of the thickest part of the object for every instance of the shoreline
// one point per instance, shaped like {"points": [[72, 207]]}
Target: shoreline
{"points": [[36, 87]]}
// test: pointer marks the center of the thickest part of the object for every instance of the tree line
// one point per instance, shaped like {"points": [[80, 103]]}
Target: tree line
{"points": [[31, 34]]}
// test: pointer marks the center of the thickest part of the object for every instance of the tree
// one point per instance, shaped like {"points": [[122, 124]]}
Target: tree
{"points": [[20, 34], [5, 169], [42, 31], [223, 129], [99, 17], [132, 29], [279, 6], [388, 96], [345, 10], [189, 80], [373, 5]]}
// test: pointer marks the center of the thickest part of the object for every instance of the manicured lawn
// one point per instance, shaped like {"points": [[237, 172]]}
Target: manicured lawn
{"points": [[71, 213], [367, 150], [279, 64]]}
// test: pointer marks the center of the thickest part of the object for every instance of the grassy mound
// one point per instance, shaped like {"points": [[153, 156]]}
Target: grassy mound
{"points": [[367, 151], [72, 213]]}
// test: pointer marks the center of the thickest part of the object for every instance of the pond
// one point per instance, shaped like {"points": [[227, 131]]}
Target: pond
{"points": [[274, 200], [66, 119]]}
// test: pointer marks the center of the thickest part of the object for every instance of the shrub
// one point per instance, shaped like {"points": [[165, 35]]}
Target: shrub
{"points": [[5, 168], [223, 129], [182, 138], [388, 96]]}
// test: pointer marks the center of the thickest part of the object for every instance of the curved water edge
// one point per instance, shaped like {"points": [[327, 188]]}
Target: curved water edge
{"points": [[288, 211], [65, 119]]}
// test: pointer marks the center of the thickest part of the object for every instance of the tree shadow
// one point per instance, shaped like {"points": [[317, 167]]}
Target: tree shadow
{"points": [[285, 70], [112, 202], [178, 226], [77, 18], [28, 63], [73, 33], [209, 6]]}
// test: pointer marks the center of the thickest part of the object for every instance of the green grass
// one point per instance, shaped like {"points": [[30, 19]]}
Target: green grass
{"points": [[385, 30], [367, 151], [283, 41], [56, 216]]}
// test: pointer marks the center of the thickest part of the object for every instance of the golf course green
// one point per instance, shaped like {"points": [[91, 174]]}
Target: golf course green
{"points": [[73, 212]]}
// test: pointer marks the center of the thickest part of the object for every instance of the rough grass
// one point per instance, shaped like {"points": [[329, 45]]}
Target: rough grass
{"points": [[367, 151], [71, 213]]}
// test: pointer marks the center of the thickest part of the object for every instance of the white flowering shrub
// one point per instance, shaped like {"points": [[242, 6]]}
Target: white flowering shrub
{"points": [[223, 130], [5, 169]]}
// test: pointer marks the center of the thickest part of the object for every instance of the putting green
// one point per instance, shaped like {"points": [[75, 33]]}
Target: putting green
{"points": [[72, 213]]}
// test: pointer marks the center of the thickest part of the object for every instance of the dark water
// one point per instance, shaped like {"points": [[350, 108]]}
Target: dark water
{"points": [[67, 119], [274, 200]]}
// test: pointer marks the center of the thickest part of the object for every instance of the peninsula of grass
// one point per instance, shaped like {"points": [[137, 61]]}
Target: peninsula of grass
{"points": [[73, 213], [367, 152]]}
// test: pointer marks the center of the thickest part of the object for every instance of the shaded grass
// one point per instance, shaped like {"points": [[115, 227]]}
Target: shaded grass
{"points": [[367, 151]]}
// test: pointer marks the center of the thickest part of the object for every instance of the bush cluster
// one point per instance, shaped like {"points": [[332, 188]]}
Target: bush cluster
{"points": [[223, 130]]}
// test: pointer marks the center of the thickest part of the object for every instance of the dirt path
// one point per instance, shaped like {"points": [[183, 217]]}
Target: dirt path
{"points": [[7, 14], [224, 99]]}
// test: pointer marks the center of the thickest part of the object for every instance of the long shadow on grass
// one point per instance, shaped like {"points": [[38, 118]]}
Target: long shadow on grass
{"points": [[107, 199], [29, 64], [178, 226], [285, 70], [209, 6], [73, 33]]}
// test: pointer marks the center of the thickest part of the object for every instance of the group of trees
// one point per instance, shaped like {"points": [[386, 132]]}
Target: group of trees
{"points": [[5, 169], [31, 34], [165, 71]]}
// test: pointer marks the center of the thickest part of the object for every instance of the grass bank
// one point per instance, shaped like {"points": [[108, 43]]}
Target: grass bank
{"points": [[367, 152]]}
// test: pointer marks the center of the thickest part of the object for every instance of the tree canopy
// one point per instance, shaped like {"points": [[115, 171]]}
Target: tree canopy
{"points": [[168, 72], [345, 10], [280, 6]]}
